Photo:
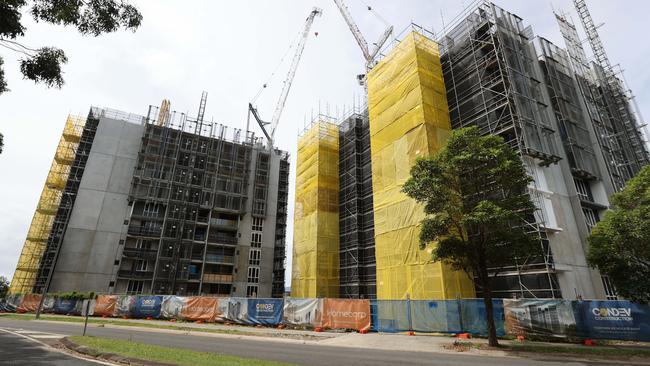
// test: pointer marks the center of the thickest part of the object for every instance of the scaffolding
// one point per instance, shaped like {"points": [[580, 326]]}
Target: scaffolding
{"points": [[315, 271], [187, 195], [493, 81], [409, 118], [607, 105], [29, 261], [356, 218]]}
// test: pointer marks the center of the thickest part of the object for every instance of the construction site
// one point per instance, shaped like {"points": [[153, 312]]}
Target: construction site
{"points": [[172, 204], [572, 123]]}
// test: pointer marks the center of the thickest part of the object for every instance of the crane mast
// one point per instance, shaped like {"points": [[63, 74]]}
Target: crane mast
{"points": [[270, 133]]}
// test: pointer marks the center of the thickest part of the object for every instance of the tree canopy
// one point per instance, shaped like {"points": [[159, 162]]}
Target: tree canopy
{"points": [[4, 286], [474, 193], [619, 245], [90, 17]]}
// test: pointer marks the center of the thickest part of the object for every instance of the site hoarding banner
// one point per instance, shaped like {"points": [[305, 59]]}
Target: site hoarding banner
{"points": [[238, 310], [105, 305], [171, 306], [90, 307], [199, 308], [622, 320], [48, 304], [540, 318], [265, 311], [346, 314], [147, 306], [64, 306], [10, 303], [29, 304], [305, 312], [125, 305]]}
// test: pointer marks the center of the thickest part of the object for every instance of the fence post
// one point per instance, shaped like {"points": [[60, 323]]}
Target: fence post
{"points": [[408, 312], [460, 314]]}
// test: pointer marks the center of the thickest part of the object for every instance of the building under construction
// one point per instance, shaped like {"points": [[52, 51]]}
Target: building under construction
{"points": [[570, 121], [162, 204]]}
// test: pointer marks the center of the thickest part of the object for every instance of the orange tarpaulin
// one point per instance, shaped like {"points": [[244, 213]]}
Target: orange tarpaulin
{"points": [[201, 308], [29, 304], [105, 305], [346, 314]]}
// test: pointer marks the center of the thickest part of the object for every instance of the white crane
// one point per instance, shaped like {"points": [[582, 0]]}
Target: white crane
{"points": [[287, 83], [370, 56]]}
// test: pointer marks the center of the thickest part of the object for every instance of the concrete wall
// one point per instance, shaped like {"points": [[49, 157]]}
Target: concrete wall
{"points": [[90, 246]]}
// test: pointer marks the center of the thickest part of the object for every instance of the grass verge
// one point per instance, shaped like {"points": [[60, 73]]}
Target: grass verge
{"points": [[176, 356], [608, 352], [79, 319]]}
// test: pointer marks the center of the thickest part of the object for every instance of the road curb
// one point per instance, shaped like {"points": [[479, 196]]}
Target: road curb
{"points": [[108, 357]]}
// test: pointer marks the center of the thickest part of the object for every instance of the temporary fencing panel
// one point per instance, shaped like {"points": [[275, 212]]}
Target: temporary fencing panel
{"points": [[29, 304], [435, 316], [125, 305], [540, 318], [237, 309], [65, 306], [303, 312], [91, 307], [409, 118], [346, 314], [49, 304], [197, 308], [10, 303], [473, 316], [171, 307], [391, 316], [105, 305], [315, 271], [265, 311], [147, 306], [613, 320]]}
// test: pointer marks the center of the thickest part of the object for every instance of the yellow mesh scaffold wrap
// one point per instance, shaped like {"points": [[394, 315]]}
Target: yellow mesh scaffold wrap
{"points": [[409, 118], [48, 204], [315, 270]]}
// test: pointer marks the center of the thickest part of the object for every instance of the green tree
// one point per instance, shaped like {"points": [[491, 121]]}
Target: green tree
{"points": [[90, 17], [474, 193], [619, 245], [4, 286]]}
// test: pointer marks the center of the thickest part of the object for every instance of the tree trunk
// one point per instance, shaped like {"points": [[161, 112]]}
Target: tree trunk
{"points": [[489, 312]]}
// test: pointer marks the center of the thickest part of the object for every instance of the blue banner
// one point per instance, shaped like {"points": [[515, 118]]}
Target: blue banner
{"points": [[613, 320], [64, 306], [265, 311], [147, 306]]}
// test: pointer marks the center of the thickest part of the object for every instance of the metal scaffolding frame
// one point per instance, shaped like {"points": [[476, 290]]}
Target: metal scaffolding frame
{"points": [[356, 216], [607, 102], [493, 82], [53, 196]]}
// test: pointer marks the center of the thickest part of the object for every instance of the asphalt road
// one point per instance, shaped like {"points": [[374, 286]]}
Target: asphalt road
{"points": [[17, 350], [300, 354]]}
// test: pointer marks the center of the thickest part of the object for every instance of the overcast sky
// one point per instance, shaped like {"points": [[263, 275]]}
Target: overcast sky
{"points": [[229, 49]]}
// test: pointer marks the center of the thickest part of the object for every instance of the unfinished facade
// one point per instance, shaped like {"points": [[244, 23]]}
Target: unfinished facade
{"points": [[358, 278], [168, 204], [568, 126]]}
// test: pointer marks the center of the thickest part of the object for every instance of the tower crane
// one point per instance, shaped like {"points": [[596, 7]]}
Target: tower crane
{"points": [[369, 55], [270, 133]]}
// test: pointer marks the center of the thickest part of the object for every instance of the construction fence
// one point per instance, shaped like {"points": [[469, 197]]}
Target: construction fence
{"points": [[531, 318]]}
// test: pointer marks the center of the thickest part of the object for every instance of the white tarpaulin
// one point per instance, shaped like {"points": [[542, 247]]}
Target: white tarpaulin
{"points": [[303, 311]]}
